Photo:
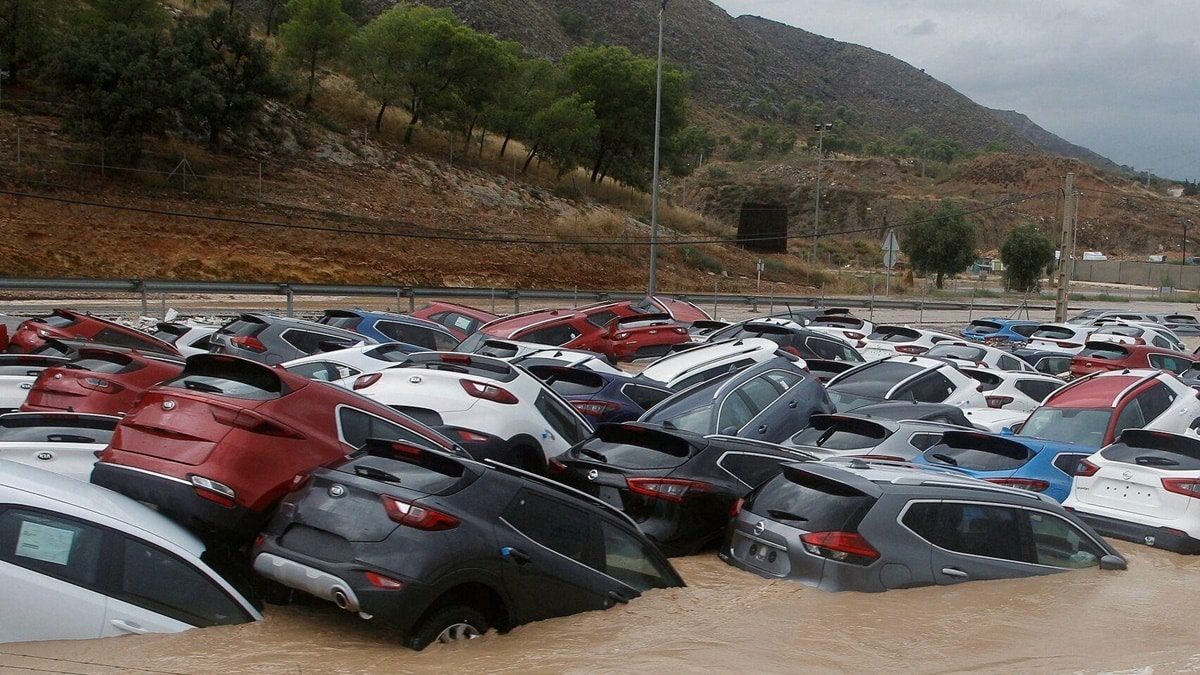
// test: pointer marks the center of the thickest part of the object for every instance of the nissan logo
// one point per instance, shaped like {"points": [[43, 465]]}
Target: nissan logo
{"points": [[1127, 475], [593, 474], [168, 405], [336, 491], [760, 527]]}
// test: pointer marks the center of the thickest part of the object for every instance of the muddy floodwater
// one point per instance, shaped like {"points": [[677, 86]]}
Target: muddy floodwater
{"points": [[1142, 620]]}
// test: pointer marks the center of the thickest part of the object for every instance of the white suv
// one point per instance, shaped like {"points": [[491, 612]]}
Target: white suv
{"points": [[680, 370]]}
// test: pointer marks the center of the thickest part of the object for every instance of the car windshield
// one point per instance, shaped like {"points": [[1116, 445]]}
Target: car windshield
{"points": [[695, 419], [960, 352], [1084, 426], [844, 401], [876, 379]]}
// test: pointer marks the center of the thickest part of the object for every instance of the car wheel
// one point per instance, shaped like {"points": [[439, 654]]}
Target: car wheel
{"points": [[455, 623]]}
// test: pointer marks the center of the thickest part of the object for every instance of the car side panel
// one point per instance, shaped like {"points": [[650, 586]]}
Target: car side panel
{"points": [[65, 611]]}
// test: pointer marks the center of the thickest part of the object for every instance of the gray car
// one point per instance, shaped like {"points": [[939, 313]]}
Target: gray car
{"points": [[872, 526], [842, 435], [271, 339]]}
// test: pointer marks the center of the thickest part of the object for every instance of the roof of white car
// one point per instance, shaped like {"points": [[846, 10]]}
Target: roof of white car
{"points": [[671, 366]]}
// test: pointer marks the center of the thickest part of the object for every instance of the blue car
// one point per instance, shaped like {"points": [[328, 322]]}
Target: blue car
{"points": [[1016, 461], [994, 329], [422, 334], [601, 396]]}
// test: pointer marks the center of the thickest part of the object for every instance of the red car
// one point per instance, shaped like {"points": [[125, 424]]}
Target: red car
{"points": [[459, 319], [217, 447], [1102, 355], [641, 336], [585, 327], [100, 380], [67, 324]]}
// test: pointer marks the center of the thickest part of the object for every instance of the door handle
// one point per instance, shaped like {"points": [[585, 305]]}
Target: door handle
{"points": [[129, 627], [617, 596], [516, 555], [792, 404], [762, 428], [954, 572]]}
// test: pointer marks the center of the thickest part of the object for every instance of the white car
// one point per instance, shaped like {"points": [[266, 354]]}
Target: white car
{"points": [[341, 366], [680, 370], [17, 374], [1137, 334], [904, 378], [1015, 391], [1143, 488], [1064, 338], [485, 394], [78, 561], [845, 326], [995, 420], [189, 337], [887, 341], [976, 354], [63, 442]]}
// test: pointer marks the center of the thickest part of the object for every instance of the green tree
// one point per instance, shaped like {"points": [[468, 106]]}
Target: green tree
{"points": [[229, 73], [27, 29], [482, 67], [940, 243], [537, 85], [315, 32], [1026, 254], [561, 133]]}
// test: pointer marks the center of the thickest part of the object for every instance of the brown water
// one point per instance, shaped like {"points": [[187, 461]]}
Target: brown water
{"points": [[1142, 620]]}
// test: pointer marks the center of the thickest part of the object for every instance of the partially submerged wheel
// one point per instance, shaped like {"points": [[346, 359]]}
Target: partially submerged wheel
{"points": [[450, 624]]}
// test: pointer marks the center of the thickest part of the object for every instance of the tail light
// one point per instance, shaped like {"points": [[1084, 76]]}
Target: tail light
{"points": [[1188, 487], [669, 489], [998, 401], [364, 381], [852, 335], [679, 330], [419, 517], [248, 342], [595, 408], [213, 491], [554, 467], [793, 351], [1086, 468], [1021, 483], [469, 436], [847, 547], [488, 392], [299, 481], [99, 384], [254, 423], [1065, 345], [455, 357], [737, 507], [380, 581], [911, 349]]}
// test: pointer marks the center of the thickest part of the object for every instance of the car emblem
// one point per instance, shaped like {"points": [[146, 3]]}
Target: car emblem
{"points": [[760, 527], [336, 491], [415, 379], [593, 474], [45, 456], [168, 405], [1127, 475]]}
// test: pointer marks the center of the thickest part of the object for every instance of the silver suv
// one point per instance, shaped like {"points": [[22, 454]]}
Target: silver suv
{"points": [[271, 339]]}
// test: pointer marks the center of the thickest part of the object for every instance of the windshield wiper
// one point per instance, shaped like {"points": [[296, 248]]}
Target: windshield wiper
{"points": [[377, 474], [780, 514], [593, 454], [947, 459]]}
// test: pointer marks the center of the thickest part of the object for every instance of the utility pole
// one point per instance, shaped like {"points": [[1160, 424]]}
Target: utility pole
{"points": [[1064, 249], [820, 129], [651, 286]]}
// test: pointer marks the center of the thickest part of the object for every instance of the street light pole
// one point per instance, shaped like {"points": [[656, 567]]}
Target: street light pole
{"points": [[820, 129], [654, 180]]}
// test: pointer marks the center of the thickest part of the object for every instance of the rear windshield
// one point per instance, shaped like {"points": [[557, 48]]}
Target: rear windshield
{"points": [[1085, 426], [339, 320], [1108, 351], [391, 353], [57, 320], [34, 429], [843, 435], [978, 453], [876, 379], [243, 327], [894, 334], [984, 327], [632, 455], [810, 503], [1053, 333], [110, 364], [961, 352], [1158, 451], [569, 381], [229, 377]]}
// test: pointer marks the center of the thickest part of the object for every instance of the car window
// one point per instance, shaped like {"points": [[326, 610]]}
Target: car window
{"points": [[1155, 400], [924, 441], [551, 523], [763, 390], [309, 342], [601, 319], [851, 435], [1061, 544], [1175, 364], [929, 388], [877, 378], [1011, 363], [54, 545], [460, 322], [645, 397], [1068, 462], [974, 529], [832, 351], [1085, 426], [1130, 417], [161, 582], [710, 373], [735, 413], [420, 336], [1025, 330], [325, 371], [824, 505], [1053, 365], [979, 453], [112, 336], [1037, 390], [629, 560], [558, 334], [356, 426], [560, 418], [749, 468]]}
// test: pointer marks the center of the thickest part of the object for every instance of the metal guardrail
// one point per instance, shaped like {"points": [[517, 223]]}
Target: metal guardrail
{"points": [[145, 288]]}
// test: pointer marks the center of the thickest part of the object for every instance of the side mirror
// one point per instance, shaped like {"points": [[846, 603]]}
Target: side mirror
{"points": [[1113, 562]]}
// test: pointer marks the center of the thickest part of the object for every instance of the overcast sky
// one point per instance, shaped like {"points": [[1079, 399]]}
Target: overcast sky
{"points": [[1120, 77]]}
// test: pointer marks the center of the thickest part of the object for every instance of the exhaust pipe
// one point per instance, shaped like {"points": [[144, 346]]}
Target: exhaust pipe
{"points": [[341, 600]]}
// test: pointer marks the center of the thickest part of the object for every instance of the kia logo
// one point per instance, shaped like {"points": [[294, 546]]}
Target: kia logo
{"points": [[44, 456], [168, 405], [593, 474], [760, 527], [336, 491]]}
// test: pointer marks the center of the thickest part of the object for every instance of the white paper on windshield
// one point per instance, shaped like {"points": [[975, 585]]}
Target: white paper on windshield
{"points": [[42, 542]]}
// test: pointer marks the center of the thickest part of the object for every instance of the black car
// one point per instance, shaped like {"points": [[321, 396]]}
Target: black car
{"points": [[599, 396], [679, 487], [444, 548]]}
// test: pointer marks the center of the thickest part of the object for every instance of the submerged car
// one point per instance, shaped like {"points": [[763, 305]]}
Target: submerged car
{"points": [[271, 339], [100, 380], [80, 562], [676, 485], [444, 548], [869, 526], [905, 378], [422, 334], [62, 442], [67, 324], [17, 374]]}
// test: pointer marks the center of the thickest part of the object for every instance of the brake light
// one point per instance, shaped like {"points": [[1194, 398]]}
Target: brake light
{"points": [[554, 467], [213, 491], [488, 392], [248, 342], [668, 489], [847, 547], [419, 517], [456, 357], [364, 381], [380, 581], [1066, 345], [1086, 468], [1021, 483], [470, 436], [998, 401], [1188, 487], [911, 349], [852, 335], [861, 344], [737, 507], [98, 384], [595, 408], [254, 423]]}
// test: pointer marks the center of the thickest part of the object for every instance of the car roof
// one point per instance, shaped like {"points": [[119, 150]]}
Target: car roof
{"points": [[876, 477], [1101, 390], [670, 366]]}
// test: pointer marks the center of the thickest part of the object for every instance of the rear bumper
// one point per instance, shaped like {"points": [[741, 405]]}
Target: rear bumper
{"points": [[1157, 537], [177, 498]]}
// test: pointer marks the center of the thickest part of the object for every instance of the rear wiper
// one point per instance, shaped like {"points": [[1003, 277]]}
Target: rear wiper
{"points": [[780, 514], [945, 458], [202, 386], [1151, 460], [377, 474], [593, 454]]}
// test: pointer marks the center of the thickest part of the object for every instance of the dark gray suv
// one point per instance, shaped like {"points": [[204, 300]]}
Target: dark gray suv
{"points": [[271, 339], [873, 526]]}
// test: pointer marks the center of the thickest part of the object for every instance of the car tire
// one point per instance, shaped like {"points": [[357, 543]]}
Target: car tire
{"points": [[453, 623]]}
